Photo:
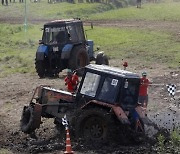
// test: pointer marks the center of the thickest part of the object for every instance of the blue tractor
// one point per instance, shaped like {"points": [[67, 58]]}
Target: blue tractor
{"points": [[64, 45]]}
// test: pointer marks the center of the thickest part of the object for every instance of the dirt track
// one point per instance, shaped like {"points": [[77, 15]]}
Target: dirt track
{"points": [[16, 91]]}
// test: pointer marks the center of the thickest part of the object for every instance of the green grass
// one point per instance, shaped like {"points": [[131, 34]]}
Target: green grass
{"points": [[159, 11], [17, 48], [18, 52], [140, 45], [169, 145], [46, 11]]}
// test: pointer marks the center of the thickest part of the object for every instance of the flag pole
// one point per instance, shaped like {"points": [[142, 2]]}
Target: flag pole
{"points": [[25, 17]]}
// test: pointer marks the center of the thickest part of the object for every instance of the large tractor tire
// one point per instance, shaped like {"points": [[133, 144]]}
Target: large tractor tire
{"points": [[102, 59], [41, 68], [93, 127], [27, 120], [78, 59]]}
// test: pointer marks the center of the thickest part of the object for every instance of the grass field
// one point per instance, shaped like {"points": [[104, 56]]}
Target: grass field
{"points": [[17, 48], [44, 10], [143, 45], [159, 11]]}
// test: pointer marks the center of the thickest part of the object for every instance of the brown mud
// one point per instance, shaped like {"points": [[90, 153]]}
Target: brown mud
{"points": [[16, 91]]}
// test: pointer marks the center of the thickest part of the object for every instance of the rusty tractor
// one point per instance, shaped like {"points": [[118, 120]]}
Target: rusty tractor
{"points": [[105, 106]]}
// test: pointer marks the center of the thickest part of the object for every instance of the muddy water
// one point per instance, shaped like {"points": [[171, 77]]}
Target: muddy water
{"points": [[168, 119]]}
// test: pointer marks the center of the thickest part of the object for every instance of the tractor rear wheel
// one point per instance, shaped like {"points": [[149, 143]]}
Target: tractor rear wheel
{"points": [[93, 127], [41, 68], [78, 59]]}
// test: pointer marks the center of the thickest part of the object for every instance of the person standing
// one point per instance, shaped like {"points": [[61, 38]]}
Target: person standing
{"points": [[138, 3], [71, 81], [4, 2], [143, 90]]}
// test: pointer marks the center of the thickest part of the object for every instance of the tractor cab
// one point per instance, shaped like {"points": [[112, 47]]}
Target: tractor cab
{"points": [[110, 85], [63, 32]]}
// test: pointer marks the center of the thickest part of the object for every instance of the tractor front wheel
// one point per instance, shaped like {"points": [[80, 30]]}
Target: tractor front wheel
{"points": [[27, 120]]}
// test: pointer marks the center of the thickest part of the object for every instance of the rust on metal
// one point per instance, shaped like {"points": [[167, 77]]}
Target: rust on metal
{"points": [[121, 115], [54, 95], [37, 115]]}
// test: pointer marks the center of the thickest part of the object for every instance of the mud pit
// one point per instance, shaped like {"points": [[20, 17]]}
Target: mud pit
{"points": [[16, 91]]}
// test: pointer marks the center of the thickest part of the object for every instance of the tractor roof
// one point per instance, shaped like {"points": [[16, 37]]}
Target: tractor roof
{"points": [[62, 22], [112, 70]]}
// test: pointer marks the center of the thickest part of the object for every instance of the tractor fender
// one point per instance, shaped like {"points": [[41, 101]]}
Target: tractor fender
{"points": [[42, 51], [118, 111], [31, 118], [66, 51]]}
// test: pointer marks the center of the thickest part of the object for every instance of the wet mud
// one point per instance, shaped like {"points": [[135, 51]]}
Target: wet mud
{"points": [[163, 113]]}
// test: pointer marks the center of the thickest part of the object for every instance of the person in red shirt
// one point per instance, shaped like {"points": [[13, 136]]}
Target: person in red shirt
{"points": [[143, 90], [71, 81]]}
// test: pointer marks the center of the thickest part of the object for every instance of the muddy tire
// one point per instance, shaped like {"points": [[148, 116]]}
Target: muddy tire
{"points": [[41, 68], [102, 59], [27, 120], [78, 59], [93, 127]]}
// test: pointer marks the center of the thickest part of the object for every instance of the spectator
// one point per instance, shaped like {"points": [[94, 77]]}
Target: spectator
{"points": [[71, 81], [143, 91], [138, 3], [6, 2]]}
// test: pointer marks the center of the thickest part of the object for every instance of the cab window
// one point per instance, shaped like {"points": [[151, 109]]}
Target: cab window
{"points": [[109, 90], [90, 84]]}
